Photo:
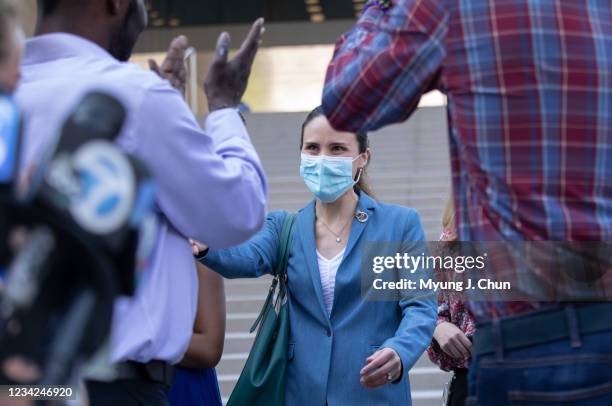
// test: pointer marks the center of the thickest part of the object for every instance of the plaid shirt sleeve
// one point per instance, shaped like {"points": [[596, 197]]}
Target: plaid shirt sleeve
{"points": [[384, 64]]}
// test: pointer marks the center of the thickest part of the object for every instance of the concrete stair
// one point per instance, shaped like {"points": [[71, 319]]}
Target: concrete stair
{"points": [[410, 166]]}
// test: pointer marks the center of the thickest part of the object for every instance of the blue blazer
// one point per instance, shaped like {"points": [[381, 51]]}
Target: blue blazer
{"points": [[326, 353]]}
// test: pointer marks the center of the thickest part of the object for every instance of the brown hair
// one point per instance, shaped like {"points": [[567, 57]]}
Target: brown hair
{"points": [[362, 140], [8, 14]]}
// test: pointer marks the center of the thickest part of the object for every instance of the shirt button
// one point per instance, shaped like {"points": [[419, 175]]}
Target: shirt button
{"points": [[328, 332]]}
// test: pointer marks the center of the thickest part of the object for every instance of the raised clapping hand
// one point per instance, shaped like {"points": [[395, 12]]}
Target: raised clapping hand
{"points": [[173, 68], [382, 367], [227, 80], [453, 341]]}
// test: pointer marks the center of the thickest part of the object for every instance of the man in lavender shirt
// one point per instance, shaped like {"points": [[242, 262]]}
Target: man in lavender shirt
{"points": [[210, 184]]}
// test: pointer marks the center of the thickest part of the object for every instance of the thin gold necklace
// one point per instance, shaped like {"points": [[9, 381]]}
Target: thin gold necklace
{"points": [[338, 239]]}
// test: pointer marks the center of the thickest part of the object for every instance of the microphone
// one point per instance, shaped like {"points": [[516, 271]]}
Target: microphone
{"points": [[97, 117], [92, 189], [88, 211]]}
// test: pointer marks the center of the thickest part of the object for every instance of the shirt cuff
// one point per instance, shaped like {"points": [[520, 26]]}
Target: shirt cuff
{"points": [[201, 255], [220, 121], [399, 378]]}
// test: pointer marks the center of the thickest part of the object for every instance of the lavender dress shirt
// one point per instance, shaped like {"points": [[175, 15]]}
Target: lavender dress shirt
{"points": [[210, 184]]}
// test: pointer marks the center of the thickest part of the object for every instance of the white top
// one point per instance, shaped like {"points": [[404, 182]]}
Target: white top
{"points": [[328, 269]]}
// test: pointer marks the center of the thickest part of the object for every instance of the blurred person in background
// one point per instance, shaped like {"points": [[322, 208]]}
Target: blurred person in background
{"points": [[343, 349], [196, 381], [11, 50], [11, 47], [529, 87], [80, 46], [451, 347]]}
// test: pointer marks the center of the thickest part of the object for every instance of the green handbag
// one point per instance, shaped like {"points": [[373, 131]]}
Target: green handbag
{"points": [[262, 381]]}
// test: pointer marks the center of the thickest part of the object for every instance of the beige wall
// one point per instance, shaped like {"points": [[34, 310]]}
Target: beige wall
{"points": [[283, 79]]}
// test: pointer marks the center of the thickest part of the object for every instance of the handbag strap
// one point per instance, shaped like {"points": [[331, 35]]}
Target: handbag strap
{"points": [[283, 246], [280, 272]]}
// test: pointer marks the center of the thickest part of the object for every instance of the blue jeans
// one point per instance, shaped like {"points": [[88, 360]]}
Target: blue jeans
{"points": [[553, 373]]}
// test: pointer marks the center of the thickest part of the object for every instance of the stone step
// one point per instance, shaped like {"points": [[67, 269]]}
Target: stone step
{"points": [[431, 226], [434, 193], [236, 351], [389, 155], [393, 152], [262, 280], [419, 398], [237, 343], [422, 205], [431, 211], [432, 164], [431, 392], [298, 201], [273, 160], [233, 362], [430, 382], [245, 306], [241, 322], [247, 289], [380, 142], [387, 175]]}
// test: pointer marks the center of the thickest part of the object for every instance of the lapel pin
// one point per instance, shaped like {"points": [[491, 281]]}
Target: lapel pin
{"points": [[361, 216]]}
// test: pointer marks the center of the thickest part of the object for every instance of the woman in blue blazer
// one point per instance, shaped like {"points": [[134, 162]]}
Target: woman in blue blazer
{"points": [[343, 350]]}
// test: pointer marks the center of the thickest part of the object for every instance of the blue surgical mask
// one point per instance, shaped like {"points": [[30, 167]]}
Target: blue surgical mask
{"points": [[327, 177]]}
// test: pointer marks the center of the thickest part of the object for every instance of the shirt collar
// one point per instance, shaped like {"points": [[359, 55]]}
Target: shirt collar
{"points": [[366, 201], [60, 45]]}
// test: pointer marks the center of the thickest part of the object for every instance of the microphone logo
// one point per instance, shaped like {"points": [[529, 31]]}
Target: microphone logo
{"points": [[106, 187]]}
